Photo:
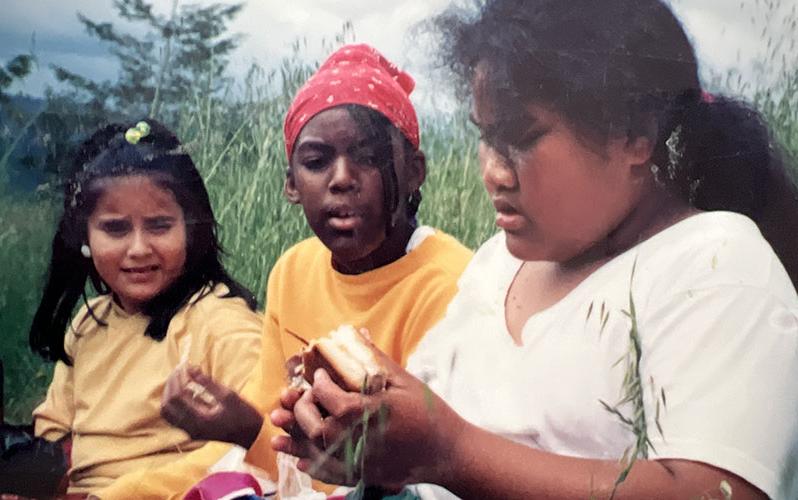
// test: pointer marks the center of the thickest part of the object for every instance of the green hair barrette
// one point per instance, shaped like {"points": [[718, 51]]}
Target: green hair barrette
{"points": [[135, 134]]}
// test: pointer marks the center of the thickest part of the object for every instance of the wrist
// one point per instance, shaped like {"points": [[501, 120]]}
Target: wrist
{"points": [[451, 432], [248, 432]]}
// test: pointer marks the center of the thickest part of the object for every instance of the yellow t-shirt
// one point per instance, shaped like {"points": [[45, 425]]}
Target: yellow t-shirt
{"points": [[109, 399], [398, 303]]}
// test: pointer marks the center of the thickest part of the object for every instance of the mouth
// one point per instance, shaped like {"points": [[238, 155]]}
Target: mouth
{"points": [[343, 218], [507, 217], [139, 273]]}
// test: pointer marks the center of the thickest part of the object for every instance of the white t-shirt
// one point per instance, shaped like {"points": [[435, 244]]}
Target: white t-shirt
{"points": [[718, 322]]}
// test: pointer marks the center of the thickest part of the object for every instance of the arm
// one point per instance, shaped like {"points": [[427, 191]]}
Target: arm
{"points": [[53, 418], [485, 465], [425, 441]]}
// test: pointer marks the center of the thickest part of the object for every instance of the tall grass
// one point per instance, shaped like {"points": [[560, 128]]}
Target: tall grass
{"points": [[238, 147], [24, 249]]}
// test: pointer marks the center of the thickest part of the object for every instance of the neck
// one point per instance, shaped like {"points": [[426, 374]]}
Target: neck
{"points": [[657, 210], [392, 248]]}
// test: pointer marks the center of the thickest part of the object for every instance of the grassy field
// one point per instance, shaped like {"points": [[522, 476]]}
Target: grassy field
{"points": [[238, 148]]}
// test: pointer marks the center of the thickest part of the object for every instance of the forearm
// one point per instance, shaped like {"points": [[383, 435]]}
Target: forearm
{"points": [[485, 465]]}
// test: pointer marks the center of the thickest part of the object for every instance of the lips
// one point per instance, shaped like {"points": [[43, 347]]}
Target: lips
{"points": [[140, 273], [507, 217], [343, 218]]}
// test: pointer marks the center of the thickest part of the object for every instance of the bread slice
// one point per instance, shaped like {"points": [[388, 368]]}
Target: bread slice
{"points": [[344, 354]]}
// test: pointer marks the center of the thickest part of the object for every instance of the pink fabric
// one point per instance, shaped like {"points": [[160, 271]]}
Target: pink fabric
{"points": [[354, 74], [221, 484]]}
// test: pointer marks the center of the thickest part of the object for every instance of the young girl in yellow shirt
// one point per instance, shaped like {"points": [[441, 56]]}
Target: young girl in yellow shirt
{"points": [[138, 224]]}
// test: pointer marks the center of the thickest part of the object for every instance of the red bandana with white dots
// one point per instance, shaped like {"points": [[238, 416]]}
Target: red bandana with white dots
{"points": [[355, 74]]}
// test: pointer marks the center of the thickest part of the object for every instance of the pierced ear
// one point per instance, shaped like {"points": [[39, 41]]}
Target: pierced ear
{"points": [[289, 188]]}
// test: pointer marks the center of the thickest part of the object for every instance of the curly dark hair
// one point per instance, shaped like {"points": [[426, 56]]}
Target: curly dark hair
{"points": [[627, 67], [159, 156]]}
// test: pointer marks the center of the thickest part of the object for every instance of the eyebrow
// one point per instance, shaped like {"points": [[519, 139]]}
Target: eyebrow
{"points": [[311, 144]]}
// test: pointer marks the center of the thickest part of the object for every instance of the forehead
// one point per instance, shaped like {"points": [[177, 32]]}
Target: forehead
{"points": [[331, 125], [134, 194]]}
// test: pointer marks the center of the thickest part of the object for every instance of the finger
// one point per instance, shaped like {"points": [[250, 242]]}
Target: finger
{"points": [[289, 396], [308, 416], [292, 365], [283, 419], [292, 446], [338, 402], [217, 390]]}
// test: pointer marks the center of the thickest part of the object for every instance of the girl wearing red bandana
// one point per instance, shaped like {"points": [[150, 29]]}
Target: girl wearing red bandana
{"points": [[355, 167]]}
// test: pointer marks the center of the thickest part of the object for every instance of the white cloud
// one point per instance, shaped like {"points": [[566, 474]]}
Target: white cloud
{"points": [[723, 34]]}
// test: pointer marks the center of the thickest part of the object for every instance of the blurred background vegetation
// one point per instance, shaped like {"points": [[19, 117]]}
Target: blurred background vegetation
{"points": [[177, 72]]}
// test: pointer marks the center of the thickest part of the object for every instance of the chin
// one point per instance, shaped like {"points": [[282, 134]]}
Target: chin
{"points": [[522, 249]]}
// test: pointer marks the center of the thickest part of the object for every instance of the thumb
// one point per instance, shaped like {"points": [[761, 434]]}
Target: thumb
{"points": [[216, 390]]}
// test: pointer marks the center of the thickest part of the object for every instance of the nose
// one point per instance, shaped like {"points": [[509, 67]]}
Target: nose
{"points": [[497, 173], [343, 174], [139, 244]]}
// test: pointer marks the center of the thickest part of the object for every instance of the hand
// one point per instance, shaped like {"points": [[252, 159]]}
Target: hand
{"points": [[206, 410], [409, 435]]}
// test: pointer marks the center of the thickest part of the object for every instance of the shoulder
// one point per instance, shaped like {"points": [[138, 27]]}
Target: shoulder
{"points": [[309, 248], [444, 253], [213, 310], [490, 268], [85, 321], [713, 249], [307, 253]]}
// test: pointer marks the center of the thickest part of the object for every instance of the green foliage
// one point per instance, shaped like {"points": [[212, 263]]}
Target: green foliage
{"points": [[180, 56], [26, 226], [238, 147], [16, 69]]}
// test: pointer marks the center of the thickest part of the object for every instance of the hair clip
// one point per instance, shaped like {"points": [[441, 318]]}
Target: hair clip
{"points": [[135, 134]]}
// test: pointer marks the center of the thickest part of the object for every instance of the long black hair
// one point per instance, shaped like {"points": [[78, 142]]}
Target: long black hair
{"points": [[158, 155], [627, 66]]}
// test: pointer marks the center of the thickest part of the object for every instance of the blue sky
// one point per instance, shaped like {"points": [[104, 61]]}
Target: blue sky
{"points": [[727, 38]]}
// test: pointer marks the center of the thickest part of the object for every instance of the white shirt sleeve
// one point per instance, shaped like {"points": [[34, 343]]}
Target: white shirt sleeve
{"points": [[727, 359]]}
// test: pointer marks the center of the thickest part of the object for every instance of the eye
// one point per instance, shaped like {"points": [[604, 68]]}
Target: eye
{"points": [[116, 227], [368, 158], [160, 225], [313, 162], [526, 140]]}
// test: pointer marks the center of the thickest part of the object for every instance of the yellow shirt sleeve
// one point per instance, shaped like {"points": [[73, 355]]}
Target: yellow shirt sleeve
{"points": [[53, 418]]}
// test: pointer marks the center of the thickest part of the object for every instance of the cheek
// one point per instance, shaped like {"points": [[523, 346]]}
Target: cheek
{"points": [[174, 251]]}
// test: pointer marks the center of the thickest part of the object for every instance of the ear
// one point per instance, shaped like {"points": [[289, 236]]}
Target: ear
{"points": [[639, 150], [416, 170], [289, 187]]}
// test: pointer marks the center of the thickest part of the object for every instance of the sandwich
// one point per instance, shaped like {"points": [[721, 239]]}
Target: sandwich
{"points": [[346, 357]]}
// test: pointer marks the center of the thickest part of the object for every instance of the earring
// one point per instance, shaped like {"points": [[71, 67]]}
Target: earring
{"points": [[85, 250]]}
